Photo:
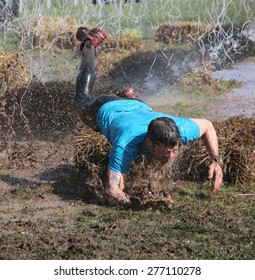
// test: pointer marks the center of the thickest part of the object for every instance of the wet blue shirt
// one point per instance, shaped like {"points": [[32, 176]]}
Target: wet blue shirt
{"points": [[125, 122]]}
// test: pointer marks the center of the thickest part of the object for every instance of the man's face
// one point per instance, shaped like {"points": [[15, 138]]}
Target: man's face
{"points": [[161, 152]]}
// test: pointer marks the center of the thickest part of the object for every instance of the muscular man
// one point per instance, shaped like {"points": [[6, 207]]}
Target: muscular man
{"points": [[132, 127]]}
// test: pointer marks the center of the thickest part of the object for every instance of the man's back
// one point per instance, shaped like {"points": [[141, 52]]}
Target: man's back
{"points": [[125, 123]]}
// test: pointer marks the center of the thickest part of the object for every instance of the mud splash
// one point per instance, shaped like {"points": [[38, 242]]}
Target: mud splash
{"points": [[155, 72], [228, 44]]}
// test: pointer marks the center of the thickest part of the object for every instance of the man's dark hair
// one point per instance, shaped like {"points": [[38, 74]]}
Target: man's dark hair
{"points": [[164, 131]]}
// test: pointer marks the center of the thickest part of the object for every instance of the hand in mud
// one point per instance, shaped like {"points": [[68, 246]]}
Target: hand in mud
{"points": [[215, 171], [117, 197], [168, 198]]}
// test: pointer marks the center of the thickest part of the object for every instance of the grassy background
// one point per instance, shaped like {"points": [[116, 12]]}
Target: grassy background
{"points": [[141, 19], [149, 13]]}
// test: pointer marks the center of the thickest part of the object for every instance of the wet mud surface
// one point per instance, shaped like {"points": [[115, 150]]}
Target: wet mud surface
{"points": [[240, 101]]}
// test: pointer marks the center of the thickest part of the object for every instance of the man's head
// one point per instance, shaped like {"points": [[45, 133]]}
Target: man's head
{"points": [[163, 138]]}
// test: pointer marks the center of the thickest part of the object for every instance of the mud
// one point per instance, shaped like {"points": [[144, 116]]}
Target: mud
{"points": [[154, 73], [241, 101]]}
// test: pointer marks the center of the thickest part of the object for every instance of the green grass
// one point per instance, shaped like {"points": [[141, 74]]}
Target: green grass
{"points": [[202, 225], [181, 109], [134, 32], [199, 88], [151, 13], [11, 41]]}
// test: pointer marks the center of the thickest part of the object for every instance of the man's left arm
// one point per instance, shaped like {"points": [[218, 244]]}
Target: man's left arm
{"points": [[209, 136]]}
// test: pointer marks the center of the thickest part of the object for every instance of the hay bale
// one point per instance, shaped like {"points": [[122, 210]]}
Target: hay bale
{"points": [[181, 32], [49, 33], [91, 158], [123, 41], [116, 49], [147, 182], [13, 72], [107, 61], [236, 144]]}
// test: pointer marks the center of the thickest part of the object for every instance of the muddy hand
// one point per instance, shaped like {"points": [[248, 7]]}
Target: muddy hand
{"points": [[215, 171], [118, 197]]}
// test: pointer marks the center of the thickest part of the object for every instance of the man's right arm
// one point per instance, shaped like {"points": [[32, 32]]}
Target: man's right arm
{"points": [[116, 179], [116, 184], [120, 159]]}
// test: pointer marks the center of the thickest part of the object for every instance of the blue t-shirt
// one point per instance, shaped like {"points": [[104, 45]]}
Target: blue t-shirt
{"points": [[125, 123]]}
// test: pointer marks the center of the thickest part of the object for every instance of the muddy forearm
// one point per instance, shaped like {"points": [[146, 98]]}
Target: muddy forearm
{"points": [[211, 141], [115, 189], [116, 179]]}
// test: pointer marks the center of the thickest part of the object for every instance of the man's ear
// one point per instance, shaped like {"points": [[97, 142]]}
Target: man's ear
{"points": [[148, 142]]}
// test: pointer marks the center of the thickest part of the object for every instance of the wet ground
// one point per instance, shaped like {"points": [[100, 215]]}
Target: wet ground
{"points": [[240, 101]]}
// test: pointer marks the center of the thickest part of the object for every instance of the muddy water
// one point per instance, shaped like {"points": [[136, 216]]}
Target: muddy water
{"points": [[240, 101]]}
